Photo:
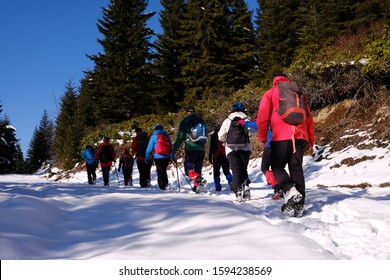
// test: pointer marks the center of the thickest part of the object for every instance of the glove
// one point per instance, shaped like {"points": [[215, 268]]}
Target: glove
{"points": [[241, 122]]}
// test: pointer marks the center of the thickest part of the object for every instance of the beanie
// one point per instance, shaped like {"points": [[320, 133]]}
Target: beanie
{"points": [[158, 127], [238, 107]]}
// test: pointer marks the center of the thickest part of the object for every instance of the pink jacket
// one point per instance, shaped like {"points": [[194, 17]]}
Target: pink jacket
{"points": [[280, 130]]}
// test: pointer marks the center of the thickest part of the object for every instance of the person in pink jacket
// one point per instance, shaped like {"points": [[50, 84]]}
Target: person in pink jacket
{"points": [[288, 145]]}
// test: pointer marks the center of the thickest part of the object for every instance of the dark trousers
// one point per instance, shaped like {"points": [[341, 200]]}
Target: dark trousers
{"points": [[239, 163], [282, 155], [162, 176], [218, 162], [144, 172], [193, 160], [106, 174], [127, 172], [266, 160], [91, 173]]}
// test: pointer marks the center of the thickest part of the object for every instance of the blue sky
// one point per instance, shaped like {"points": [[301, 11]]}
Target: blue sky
{"points": [[43, 45]]}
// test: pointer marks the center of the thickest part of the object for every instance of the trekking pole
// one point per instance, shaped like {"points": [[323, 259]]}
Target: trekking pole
{"points": [[177, 174], [116, 171], [185, 177]]}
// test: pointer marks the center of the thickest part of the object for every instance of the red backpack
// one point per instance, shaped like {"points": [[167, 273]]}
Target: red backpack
{"points": [[163, 146]]}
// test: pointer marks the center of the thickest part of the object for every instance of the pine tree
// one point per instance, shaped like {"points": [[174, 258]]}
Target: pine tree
{"points": [[68, 131], [41, 145], [217, 41], [277, 36], [11, 156], [169, 51], [123, 80]]}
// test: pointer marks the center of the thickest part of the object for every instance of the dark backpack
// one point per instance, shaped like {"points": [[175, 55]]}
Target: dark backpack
{"points": [[128, 160], [198, 132], [162, 145], [142, 144], [292, 104], [106, 154], [237, 135]]}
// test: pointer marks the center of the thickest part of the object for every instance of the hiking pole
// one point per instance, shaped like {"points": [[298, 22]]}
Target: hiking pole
{"points": [[116, 171], [177, 174], [185, 177]]}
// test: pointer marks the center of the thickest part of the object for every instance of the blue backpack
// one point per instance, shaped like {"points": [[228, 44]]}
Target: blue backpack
{"points": [[198, 132]]}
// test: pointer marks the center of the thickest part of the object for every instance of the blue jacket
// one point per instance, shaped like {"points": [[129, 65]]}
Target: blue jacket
{"points": [[152, 145], [89, 156]]}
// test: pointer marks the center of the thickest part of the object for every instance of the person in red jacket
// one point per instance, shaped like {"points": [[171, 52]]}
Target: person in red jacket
{"points": [[106, 155], [288, 146]]}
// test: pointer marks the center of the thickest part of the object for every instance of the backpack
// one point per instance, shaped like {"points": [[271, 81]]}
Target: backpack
{"points": [[142, 145], [106, 154], [162, 145], [237, 135], [90, 157], [292, 104], [128, 160], [198, 132]]}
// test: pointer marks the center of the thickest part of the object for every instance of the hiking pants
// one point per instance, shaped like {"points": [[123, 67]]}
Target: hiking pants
{"points": [[239, 163], [218, 162], [282, 154], [106, 174], [162, 176], [127, 172], [91, 173], [144, 172], [193, 160], [266, 160]]}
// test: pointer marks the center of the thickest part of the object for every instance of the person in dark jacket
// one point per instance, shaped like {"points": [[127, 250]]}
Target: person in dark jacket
{"points": [[194, 151], [138, 148], [288, 145], [217, 157], [89, 155], [106, 155], [126, 163], [160, 145]]}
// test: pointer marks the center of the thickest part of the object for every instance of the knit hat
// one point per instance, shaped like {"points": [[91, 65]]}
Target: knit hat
{"points": [[238, 107], [158, 127]]}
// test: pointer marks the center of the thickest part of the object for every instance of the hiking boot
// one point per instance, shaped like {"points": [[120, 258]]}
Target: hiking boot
{"points": [[298, 210], [247, 192], [239, 194], [199, 184], [291, 197]]}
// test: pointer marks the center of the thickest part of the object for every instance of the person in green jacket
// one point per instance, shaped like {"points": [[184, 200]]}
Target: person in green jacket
{"points": [[193, 132]]}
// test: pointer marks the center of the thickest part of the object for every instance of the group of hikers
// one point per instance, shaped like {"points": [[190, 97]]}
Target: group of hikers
{"points": [[284, 127]]}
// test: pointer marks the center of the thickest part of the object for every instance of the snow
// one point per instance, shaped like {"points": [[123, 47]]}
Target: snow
{"points": [[45, 219]]}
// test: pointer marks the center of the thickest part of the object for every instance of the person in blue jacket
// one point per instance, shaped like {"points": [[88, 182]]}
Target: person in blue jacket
{"points": [[89, 155], [160, 144]]}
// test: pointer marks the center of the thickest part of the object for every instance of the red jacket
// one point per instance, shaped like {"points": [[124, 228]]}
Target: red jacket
{"points": [[134, 146], [109, 163], [280, 130]]}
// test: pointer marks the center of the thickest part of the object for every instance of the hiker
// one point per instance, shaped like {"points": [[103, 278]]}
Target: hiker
{"points": [[266, 167], [234, 134], [126, 163], [194, 147], [106, 155], [217, 157], [160, 145], [89, 155], [289, 142], [138, 148]]}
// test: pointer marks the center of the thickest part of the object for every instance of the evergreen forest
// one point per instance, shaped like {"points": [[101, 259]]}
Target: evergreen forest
{"points": [[209, 55]]}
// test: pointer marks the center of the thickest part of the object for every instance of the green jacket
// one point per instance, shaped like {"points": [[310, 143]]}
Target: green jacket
{"points": [[184, 129]]}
